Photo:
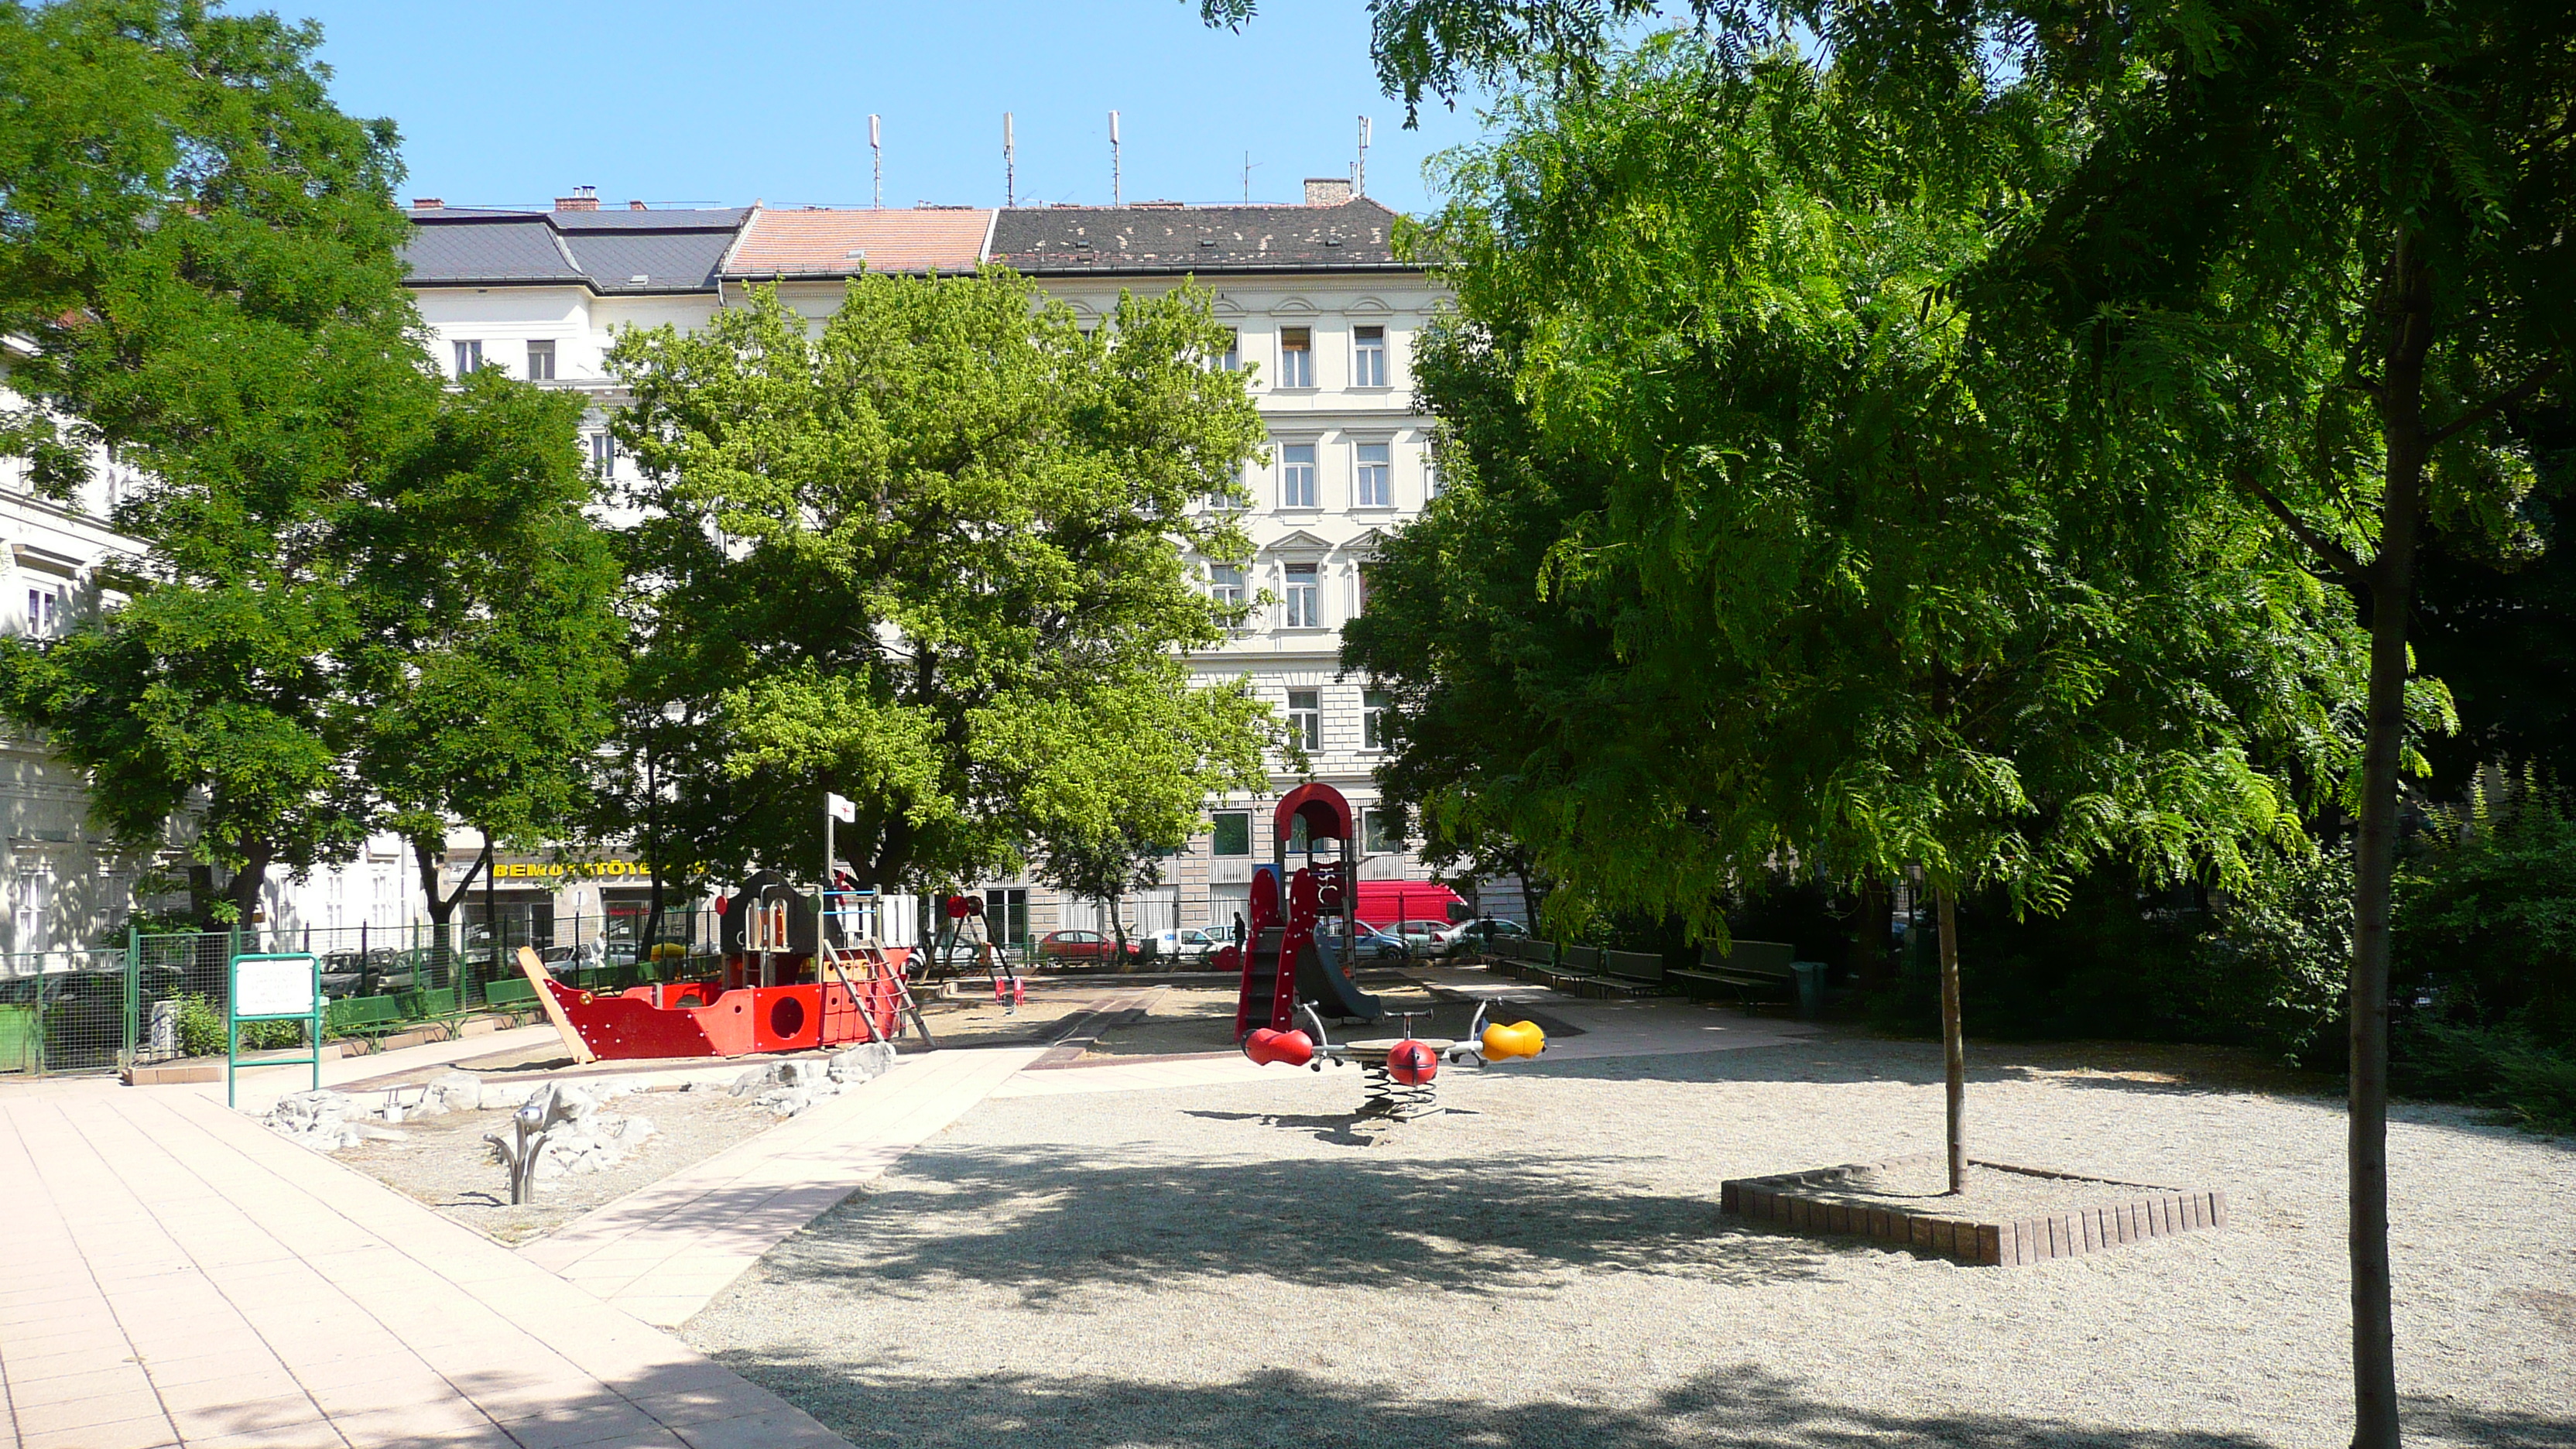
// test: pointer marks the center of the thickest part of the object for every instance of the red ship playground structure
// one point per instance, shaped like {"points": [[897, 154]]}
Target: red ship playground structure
{"points": [[799, 972]]}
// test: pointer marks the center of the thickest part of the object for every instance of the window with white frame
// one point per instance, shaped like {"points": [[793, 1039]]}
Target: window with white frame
{"points": [[1370, 488], [1368, 357], [603, 453], [541, 359], [1231, 360], [1225, 584], [1430, 474], [1233, 833], [1304, 601], [1305, 718], [1297, 475], [1296, 357], [1381, 830], [469, 354], [45, 611], [35, 902], [1373, 705]]}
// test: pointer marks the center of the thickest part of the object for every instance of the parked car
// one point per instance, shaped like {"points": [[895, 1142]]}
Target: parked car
{"points": [[1421, 938], [1077, 948], [1479, 934], [1187, 944], [1377, 945]]}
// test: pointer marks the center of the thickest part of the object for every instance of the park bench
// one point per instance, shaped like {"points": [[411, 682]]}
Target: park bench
{"points": [[1631, 973], [515, 995], [363, 1017], [436, 1008], [1746, 968]]}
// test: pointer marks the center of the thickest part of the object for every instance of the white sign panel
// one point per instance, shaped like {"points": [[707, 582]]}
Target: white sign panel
{"points": [[279, 986]]}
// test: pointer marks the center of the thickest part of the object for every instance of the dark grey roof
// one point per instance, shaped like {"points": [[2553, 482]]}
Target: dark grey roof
{"points": [[1066, 240], [608, 251]]}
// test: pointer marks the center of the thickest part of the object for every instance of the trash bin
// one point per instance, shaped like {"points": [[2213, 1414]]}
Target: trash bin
{"points": [[1811, 987]]}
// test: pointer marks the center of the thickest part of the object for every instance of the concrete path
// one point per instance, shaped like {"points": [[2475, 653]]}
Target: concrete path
{"points": [[662, 1251], [177, 1275]]}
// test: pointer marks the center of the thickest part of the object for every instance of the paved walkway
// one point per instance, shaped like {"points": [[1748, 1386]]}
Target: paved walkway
{"points": [[177, 1275], [662, 1251]]}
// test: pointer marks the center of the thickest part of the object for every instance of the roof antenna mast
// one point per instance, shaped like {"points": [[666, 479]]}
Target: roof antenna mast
{"points": [[1010, 165], [1248, 164], [1359, 186], [876, 144], [1116, 195]]}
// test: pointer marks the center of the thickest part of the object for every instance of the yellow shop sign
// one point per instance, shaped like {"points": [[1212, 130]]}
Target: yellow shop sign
{"points": [[571, 870]]}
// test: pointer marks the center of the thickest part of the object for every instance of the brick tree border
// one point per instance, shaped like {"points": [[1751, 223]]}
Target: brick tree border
{"points": [[2133, 1213]]}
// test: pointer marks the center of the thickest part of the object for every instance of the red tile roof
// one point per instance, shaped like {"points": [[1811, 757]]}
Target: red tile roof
{"points": [[823, 243]]}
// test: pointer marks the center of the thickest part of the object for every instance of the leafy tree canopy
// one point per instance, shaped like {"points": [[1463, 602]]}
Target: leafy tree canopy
{"points": [[1815, 576], [930, 555]]}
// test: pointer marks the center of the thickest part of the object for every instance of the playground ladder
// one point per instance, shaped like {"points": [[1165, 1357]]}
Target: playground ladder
{"points": [[866, 948]]}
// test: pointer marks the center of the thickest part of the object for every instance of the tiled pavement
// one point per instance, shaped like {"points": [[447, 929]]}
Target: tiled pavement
{"points": [[174, 1274]]}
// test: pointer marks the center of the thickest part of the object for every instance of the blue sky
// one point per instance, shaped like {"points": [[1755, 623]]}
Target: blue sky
{"points": [[515, 103]]}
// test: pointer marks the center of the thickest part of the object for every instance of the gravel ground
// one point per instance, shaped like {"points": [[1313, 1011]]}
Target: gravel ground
{"points": [[1921, 1185], [1543, 1264], [444, 1161]]}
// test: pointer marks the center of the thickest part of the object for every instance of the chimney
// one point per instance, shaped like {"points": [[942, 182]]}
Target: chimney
{"points": [[427, 203], [635, 206], [583, 198], [1328, 190]]}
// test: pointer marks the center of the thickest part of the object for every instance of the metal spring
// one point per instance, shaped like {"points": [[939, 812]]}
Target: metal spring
{"points": [[1384, 1096]]}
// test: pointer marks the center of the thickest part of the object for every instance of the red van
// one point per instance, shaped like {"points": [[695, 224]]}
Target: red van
{"points": [[1382, 903]]}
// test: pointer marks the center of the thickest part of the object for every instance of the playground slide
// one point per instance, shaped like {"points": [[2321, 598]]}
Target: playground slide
{"points": [[1323, 980]]}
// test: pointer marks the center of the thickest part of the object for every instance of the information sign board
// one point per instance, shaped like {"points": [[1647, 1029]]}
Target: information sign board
{"points": [[279, 987]]}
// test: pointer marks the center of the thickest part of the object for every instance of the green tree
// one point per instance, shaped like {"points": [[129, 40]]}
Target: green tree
{"points": [[200, 250], [2324, 243], [933, 556], [1865, 604], [490, 650]]}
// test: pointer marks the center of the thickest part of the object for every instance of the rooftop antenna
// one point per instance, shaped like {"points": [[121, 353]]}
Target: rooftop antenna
{"points": [[1116, 196], [876, 144], [1010, 164], [1359, 181], [1248, 164]]}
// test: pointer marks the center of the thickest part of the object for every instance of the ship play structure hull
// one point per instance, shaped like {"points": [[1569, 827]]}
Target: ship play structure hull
{"points": [[705, 1019]]}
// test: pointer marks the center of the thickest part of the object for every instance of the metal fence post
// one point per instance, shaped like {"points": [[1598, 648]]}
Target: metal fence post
{"points": [[133, 994], [42, 1046]]}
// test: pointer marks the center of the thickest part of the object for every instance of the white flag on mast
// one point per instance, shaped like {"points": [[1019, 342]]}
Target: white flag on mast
{"points": [[842, 810]]}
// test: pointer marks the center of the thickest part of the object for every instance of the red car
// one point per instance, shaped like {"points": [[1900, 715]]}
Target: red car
{"points": [[1088, 948]]}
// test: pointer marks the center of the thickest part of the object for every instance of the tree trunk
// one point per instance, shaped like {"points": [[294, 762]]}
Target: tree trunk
{"points": [[1954, 1046], [245, 888], [2392, 588]]}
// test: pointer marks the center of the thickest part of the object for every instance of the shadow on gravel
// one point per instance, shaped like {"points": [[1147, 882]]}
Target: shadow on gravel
{"points": [[1048, 1221], [1740, 1407]]}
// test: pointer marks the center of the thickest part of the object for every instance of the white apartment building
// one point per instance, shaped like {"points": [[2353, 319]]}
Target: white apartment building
{"points": [[1323, 314]]}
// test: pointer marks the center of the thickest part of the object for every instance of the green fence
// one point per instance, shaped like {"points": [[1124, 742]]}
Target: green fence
{"points": [[161, 996]]}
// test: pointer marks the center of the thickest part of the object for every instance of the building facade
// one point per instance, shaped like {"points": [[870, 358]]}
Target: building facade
{"points": [[1323, 317]]}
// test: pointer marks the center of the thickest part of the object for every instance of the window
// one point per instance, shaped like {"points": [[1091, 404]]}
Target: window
{"points": [[1297, 475], [1368, 357], [44, 612], [541, 360], [1305, 719], [1233, 833], [469, 355], [1232, 358], [1303, 609], [1430, 474], [1381, 831], [1225, 583], [1296, 357], [603, 453], [1372, 490], [1372, 719]]}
